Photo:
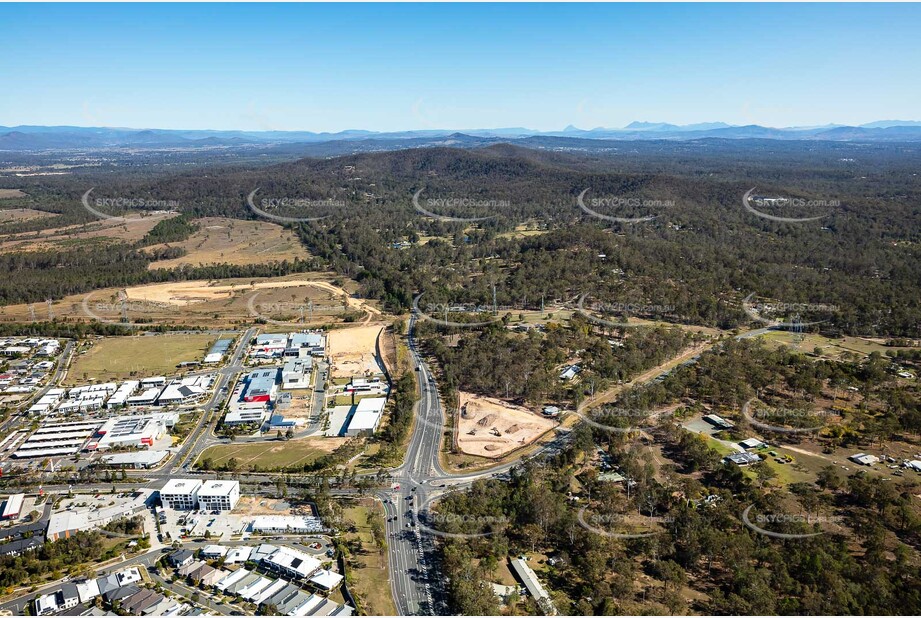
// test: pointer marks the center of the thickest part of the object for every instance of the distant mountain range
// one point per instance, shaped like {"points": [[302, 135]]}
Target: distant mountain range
{"points": [[44, 138]]}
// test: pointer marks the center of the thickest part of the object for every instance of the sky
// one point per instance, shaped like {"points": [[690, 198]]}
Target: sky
{"points": [[390, 67]]}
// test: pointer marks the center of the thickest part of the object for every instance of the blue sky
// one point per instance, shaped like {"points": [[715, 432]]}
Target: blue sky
{"points": [[414, 66]]}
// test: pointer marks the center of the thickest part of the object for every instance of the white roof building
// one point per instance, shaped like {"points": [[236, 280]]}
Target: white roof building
{"points": [[219, 495], [238, 554], [120, 397], [136, 459], [292, 562], [367, 416], [325, 579], [863, 459], [290, 524], [180, 494], [213, 551], [246, 413]]}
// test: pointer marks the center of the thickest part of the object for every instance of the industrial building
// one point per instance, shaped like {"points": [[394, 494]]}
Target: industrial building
{"points": [[313, 342], [180, 494], [260, 385], [537, 591], [246, 414], [128, 431], [12, 507], [219, 495], [67, 523], [186, 390], [296, 373], [286, 524], [217, 351], [57, 439], [147, 397], [367, 416], [136, 459]]}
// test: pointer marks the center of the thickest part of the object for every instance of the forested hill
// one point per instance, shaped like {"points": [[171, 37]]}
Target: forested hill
{"points": [[701, 254]]}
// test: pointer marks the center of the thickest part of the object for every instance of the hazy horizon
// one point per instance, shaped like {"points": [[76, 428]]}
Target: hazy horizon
{"points": [[329, 68]]}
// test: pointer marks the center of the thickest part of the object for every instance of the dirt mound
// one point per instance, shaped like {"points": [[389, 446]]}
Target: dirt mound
{"points": [[512, 429], [486, 420], [492, 447], [465, 413]]}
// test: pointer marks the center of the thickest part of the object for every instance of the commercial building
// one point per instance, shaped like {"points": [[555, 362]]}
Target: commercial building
{"points": [[135, 459], [128, 431], [313, 342], [219, 495], [67, 523], [286, 524], [296, 373], [12, 507], [246, 414], [185, 391], [218, 350], [147, 397], [367, 416], [180, 494], [260, 385], [57, 439]]}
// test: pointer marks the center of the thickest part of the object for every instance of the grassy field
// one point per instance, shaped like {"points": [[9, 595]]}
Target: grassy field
{"points": [[271, 454], [831, 348], [219, 240], [370, 577], [120, 358]]}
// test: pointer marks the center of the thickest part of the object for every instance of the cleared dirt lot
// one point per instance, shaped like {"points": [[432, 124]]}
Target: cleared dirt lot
{"points": [[233, 241], [353, 351], [305, 299], [10, 193], [489, 427]]}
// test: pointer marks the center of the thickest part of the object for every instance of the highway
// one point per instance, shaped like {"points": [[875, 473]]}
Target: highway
{"points": [[417, 483]]}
